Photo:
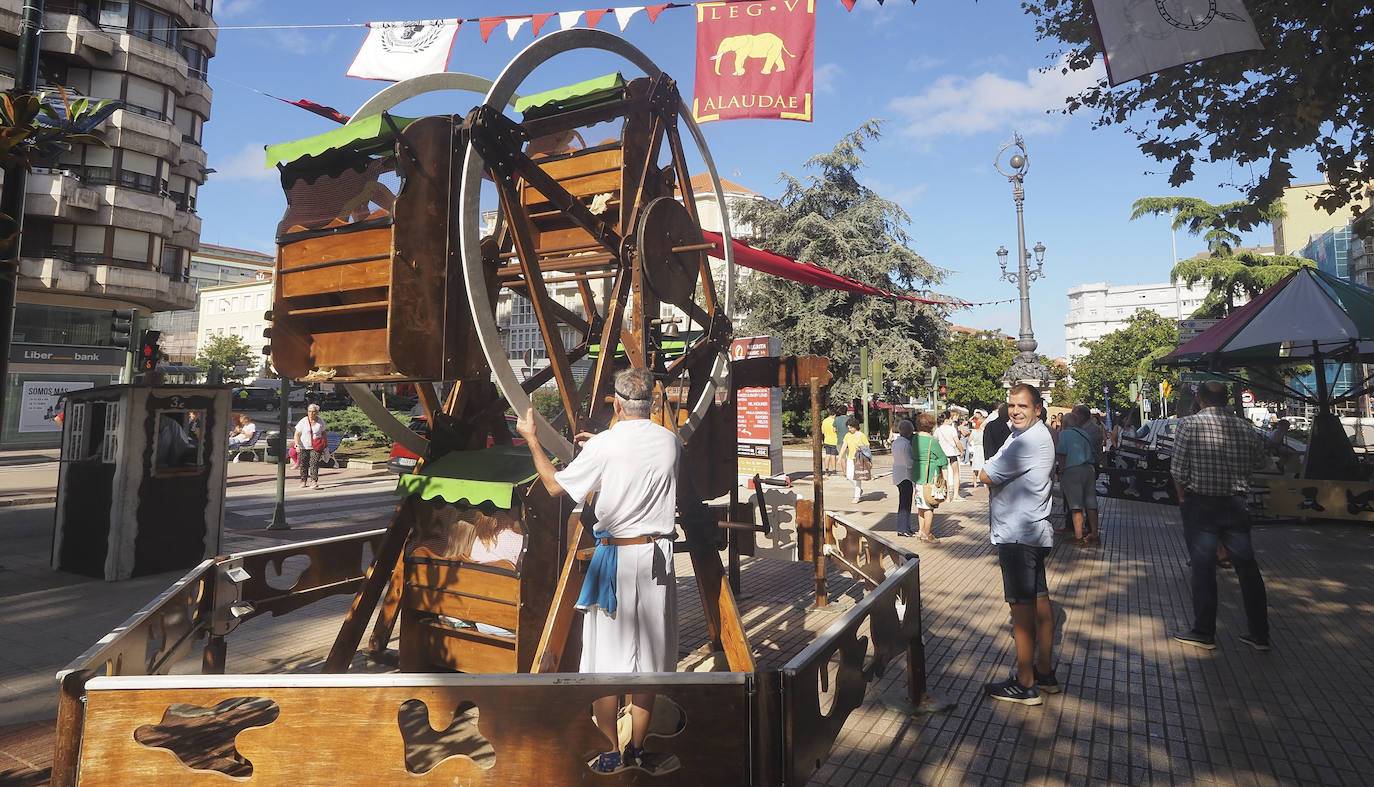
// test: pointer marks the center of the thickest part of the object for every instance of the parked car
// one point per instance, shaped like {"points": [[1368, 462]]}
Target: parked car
{"points": [[403, 461], [255, 399]]}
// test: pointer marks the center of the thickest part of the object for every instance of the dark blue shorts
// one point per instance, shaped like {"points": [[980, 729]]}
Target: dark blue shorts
{"points": [[1023, 572], [832, 450]]}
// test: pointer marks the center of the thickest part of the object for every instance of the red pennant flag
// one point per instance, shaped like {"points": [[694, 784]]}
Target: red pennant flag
{"points": [[595, 16], [539, 20], [489, 24], [319, 109], [849, 4], [655, 10]]}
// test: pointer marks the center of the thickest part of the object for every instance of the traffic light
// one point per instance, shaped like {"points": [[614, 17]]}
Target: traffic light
{"points": [[148, 351], [944, 388], [122, 327]]}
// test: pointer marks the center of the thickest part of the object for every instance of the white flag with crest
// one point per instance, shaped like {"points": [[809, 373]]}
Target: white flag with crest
{"points": [[400, 50], [1144, 36]]}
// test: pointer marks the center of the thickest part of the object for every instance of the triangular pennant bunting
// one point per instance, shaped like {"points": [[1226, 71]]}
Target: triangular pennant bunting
{"points": [[513, 26], [655, 10], [848, 4], [622, 15], [488, 24], [567, 19], [595, 16], [539, 20], [394, 51]]}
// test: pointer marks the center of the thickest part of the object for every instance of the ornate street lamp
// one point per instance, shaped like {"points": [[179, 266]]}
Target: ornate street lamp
{"points": [[1026, 367]]}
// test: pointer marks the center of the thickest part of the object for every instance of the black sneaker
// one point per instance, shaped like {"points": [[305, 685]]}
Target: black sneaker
{"points": [[1046, 682], [1196, 640], [1262, 645], [1012, 691], [633, 756]]}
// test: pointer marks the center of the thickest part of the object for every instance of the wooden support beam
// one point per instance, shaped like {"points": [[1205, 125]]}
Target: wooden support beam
{"points": [[554, 638], [818, 504], [374, 582]]}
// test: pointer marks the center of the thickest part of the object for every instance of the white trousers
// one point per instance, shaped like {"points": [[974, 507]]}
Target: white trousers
{"points": [[642, 636]]}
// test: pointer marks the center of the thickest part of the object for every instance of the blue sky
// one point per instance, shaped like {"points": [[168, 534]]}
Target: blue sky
{"points": [[951, 79]]}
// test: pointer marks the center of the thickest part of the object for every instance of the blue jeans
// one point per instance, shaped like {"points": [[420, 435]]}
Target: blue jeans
{"points": [[1208, 519]]}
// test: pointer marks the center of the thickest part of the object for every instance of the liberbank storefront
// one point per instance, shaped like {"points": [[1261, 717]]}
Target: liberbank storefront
{"points": [[39, 375]]}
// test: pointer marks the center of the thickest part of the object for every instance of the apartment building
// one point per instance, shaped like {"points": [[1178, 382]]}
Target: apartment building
{"points": [[106, 227], [211, 266], [1098, 309]]}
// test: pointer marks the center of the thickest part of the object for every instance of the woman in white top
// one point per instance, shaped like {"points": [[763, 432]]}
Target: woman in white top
{"points": [[244, 430], [975, 445], [901, 475], [310, 444]]}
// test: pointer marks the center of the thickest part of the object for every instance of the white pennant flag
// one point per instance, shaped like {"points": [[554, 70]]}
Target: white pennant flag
{"points": [[1141, 38], [400, 50], [622, 15], [513, 26], [567, 19]]}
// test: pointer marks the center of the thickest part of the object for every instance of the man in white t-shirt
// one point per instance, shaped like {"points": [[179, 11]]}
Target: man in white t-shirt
{"points": [[629, 596]]}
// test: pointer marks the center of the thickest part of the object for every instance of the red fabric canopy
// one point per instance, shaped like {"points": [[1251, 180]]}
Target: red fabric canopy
{"points": [[783, 267]]}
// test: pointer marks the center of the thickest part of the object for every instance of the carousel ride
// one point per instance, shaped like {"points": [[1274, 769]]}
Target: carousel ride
{"points": [[386, 273]]}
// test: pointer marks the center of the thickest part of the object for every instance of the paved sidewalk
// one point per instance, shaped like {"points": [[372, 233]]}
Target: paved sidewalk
{"points": [[1137, 707]]}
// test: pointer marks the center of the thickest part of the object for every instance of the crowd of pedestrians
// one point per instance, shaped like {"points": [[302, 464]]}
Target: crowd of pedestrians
{"points": [[1019, 452]]}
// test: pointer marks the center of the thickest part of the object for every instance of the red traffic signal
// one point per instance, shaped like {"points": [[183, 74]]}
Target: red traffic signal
{"points": [[944, 390], [148, 351]]}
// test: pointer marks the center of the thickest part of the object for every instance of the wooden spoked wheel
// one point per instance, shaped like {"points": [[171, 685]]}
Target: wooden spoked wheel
{"points": [[600, 224]]}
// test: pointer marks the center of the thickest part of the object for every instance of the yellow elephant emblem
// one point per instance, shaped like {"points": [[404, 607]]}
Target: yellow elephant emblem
{"points": [[763, 45]]}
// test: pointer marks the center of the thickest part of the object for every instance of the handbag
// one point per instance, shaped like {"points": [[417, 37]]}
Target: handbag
{"points": [[863, 466], [933, 493], [319, 443]]}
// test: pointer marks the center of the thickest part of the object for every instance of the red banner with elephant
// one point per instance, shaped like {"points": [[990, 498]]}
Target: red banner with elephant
{"points": [[755, 60]]}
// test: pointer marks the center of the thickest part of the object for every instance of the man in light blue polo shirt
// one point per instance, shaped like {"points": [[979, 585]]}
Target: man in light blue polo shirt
{"points": [[1019, 483]]}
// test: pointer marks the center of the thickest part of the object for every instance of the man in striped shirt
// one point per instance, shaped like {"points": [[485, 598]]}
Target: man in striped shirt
{"points": [[1214, 454]]}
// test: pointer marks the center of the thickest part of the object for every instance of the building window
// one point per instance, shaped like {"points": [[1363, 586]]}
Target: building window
{"points": [[197, 62], [42, 324]]}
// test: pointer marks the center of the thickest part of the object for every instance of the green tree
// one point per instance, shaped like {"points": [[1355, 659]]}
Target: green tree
{"points": [[973, 366], [1229, 273], [830, 219], [227, 351], [1061, 387], [1310, 90], [1116, 359]]}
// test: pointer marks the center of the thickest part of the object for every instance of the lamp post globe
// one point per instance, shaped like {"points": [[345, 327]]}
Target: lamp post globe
{"points": [[1026, 366]]}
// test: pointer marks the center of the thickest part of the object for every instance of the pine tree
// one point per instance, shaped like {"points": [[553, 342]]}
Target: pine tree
{"points": [[831, 219]]}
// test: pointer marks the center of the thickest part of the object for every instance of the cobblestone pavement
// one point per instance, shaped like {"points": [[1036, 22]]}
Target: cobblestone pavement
{"points": [[1137, 707]]}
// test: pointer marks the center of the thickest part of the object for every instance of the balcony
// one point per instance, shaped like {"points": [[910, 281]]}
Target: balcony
{"points": [[73, 35], [61, 194], [154, 136], [59, 270], [196, 97]]}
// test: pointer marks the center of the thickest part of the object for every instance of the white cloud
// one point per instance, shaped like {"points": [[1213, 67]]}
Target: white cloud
{"points": [[246, 164], [826, 75], [924, 63], [230, 9], [305, 42], [904, 195], [955, 105]]}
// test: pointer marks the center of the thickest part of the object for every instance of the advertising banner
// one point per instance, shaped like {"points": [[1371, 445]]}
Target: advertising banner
{"points": [[755, 60], [39, 403]]}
